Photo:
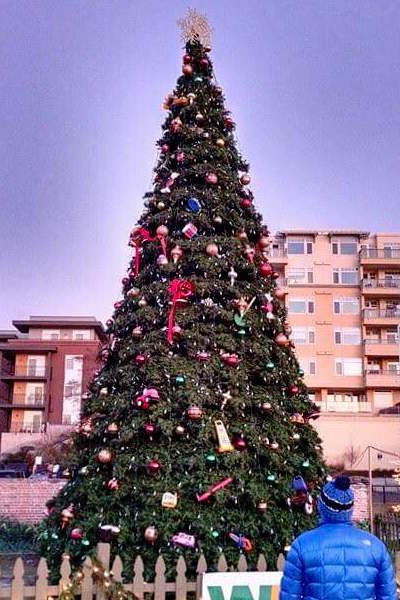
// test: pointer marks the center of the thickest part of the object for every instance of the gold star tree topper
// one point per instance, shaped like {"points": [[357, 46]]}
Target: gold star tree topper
{"points": [[195, 28]]}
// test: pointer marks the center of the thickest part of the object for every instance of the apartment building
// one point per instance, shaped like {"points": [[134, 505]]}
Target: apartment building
{"points": [[45, 366], [343, 301]]}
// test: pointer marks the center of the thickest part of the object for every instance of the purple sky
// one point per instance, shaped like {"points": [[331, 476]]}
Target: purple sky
{"points": [[314, 87]]}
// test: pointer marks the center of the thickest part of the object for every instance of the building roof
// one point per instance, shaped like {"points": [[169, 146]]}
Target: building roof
{"points": [[8, 334], [358, 232], [51, 321]]}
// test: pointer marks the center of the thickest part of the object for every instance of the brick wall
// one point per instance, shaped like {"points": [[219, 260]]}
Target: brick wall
{"points": [[24, 500]]}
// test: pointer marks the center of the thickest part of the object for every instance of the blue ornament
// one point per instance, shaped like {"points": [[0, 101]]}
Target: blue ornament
{"points": [[299, 485], [193, 205]]}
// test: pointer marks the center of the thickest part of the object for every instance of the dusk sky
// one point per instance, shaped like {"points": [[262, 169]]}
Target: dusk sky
{"points": [[314, 87]]}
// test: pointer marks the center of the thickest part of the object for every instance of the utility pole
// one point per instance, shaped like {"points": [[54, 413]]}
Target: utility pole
{"points": [[370, 501]]}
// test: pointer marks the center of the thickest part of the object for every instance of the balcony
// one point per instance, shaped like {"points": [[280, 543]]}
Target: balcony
{"points": [[376, 316], [381, 287], [277, 256], [382, 378], [380, 257], [30, 427], [26, 372], [23, 401], [379, 347], [344, 407]]}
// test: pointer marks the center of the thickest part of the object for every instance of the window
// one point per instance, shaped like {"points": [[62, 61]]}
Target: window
{"points": [[348, 247], [50, 334], [308, 365], [303, 335], [348, 366], [393, 367], [346, 276], [81, 334], [299, 246], [348, 336], [296, 276], [346, 306], [299, 306]]}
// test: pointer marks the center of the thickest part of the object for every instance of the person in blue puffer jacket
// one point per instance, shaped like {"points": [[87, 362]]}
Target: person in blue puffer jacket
{"points": [[337, 561]]}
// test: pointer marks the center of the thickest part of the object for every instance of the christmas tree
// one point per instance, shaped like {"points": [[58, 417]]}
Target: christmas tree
{"points": [[195, 434]]}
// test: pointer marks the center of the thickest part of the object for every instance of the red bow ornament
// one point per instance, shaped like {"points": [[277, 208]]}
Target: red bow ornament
{"points": [[180, 290]]}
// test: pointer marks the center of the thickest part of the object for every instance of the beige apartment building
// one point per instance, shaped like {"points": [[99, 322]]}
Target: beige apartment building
{"points": [[343, 301]]}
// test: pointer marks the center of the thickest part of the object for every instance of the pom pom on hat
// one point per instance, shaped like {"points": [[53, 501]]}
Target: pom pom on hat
{"points": [[342, 483]]}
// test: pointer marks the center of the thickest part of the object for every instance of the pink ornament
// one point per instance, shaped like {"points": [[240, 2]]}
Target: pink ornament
{"points": [[212, 250], [153, 467], [240, 444], [183, 539], [150, 429], [140, 359], [125, 281], [189, 231], [76, 534], [268, 307], [266, 269], [187, 70], [203, 356], [162, 230], [229, 122], [113, 484], [164, 148], [109, 323], [194, 413], [246, 202], [232, 360], [180, 157], [212, 178], [245, 179], [204, 63], [162, 260], [281, 340], [280, 293], [176, 253], [294, 389]]}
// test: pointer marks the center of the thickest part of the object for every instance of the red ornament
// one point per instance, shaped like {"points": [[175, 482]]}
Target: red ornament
{"points": [[187, 70], [268, 307], [229, 122], [246, 202], [104, 456], [150, 429], [194, 413], [294, 389], [204, 63], [125, 281], [240, 444], [153, 467], [245, 179], [76, 534], [180, 157], [142, 402], [212, 178], [109, 323], [140, 359], [186, 59], [113, 484], [281, 340], [177, 331], [266, 269], [232, 360], [280, 293], [164, 148]]}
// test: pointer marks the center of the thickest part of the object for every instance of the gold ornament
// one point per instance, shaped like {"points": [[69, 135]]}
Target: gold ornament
{"points": [[195, 28]]}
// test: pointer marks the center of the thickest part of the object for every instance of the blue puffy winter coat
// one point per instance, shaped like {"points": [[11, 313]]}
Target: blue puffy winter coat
{"points": [[337, 561]]}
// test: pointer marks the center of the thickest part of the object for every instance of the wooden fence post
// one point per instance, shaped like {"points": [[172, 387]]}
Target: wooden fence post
{"points": [[17, 586], [159, 580], [138, 581], [41, 582]]}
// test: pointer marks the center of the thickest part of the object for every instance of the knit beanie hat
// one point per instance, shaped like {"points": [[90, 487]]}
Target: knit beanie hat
{"points": [[335, 503]]}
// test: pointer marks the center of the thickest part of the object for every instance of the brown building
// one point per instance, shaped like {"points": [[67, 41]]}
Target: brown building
{"points": [[343, 300], [45, 367]]}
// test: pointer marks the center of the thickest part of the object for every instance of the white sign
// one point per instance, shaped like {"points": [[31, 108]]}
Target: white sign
{"points": [[241, 586]]}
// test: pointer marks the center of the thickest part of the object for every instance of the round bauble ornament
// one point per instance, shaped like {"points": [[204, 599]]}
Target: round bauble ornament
{"points": [[265, 269], [211, 458], [265, 407], [150, 429], [270, 364], [263, 242], [177, 331], [187, 70], [191, 97], [294, 389], [179, 431], [133, 292], [274, 446], [229, 122], [212, 250], [218, 220], [125, 281], [113, 484], [137, 332], [112, 428], [199, 118], [195, 413], [232, 360], [118, 304], [245, 179], [212, 178], [176, 253], [140, 359], [104, 456], [76, 533], [162, 260], [142, 402], [109, 323], [160, 205], [280, 293], [296, 436], [220, 142], [287, 328], [162, 230], [87, 427], [151, 534], [180, 157], [67, 514], [186, 59], [246, 202], [180, 380], [103, 391], [281, 340], [203, 63], [164, 148], [240, 444], [262, 506], [301, 373], [153, 467]]}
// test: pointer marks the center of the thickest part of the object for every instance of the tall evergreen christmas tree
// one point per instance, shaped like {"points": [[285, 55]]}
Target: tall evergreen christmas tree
{"points": [[195, 435]]}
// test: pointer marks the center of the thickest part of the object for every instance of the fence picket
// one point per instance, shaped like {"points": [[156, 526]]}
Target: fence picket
{"points": [[159, 581], [138, 581], [222, 564], [65, 572], [180, 580], [87, 581], [17, 586], [41, 582], [261, 563], [117, 568]]}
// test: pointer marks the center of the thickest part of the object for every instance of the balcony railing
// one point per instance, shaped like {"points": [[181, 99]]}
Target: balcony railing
{"points": [[376, 313], [372, 341], [342, 406], [380, 253], [277, 252], [31, 427], [29, 399], [381, 283]]}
